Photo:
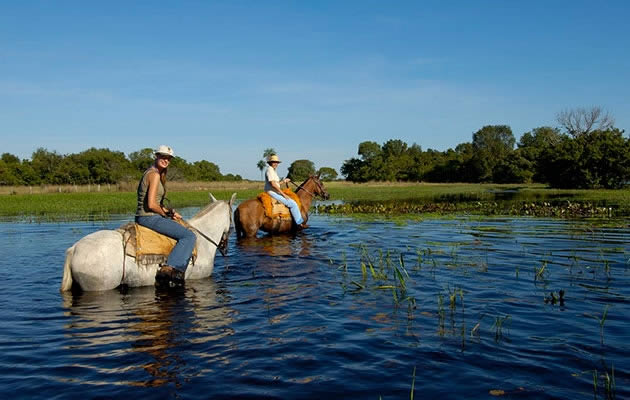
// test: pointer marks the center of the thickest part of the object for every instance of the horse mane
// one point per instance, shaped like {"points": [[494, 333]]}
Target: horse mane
{"points": [[207, 209]]}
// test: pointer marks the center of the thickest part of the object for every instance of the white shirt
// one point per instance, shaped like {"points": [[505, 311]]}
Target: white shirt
{"points": [[270, 176]]}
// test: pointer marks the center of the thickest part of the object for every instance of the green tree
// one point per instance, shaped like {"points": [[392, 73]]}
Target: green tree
{"points": [[268, 152], [261, 166], [327, 174], [263, 163], [104, 165], [599, 159], [142, 159], [300, 170], [491, 145], [533, 144], [206, 171], [44, 164], [9, 170], [352, 169], [514, 169], [180, 170]]}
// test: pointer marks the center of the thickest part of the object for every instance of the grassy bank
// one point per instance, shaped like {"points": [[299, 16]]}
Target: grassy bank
{"points": [[70, 202]]}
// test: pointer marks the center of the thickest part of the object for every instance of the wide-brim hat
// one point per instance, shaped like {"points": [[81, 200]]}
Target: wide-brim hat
{"points": [[273, 158], [164, 150]]}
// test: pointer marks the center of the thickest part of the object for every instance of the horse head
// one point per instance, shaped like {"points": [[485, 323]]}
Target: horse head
{"points": [[319, 189], [223, 219]]}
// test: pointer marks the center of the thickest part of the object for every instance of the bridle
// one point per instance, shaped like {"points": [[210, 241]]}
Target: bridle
{"points": [[223, 242], [319, 187]]}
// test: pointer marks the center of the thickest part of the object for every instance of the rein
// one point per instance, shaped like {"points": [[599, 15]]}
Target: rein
{"points": [[222, 245], [312, 194]]}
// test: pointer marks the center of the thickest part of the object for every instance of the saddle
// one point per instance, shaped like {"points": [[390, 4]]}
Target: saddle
{"points": [[146, 245], [274, 209]]}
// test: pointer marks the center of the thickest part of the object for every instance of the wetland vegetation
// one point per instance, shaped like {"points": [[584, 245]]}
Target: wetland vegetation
{"points": [[409, 200]]}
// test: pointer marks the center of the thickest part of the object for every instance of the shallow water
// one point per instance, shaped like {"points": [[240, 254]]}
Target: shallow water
{"points": [[294, 317]]}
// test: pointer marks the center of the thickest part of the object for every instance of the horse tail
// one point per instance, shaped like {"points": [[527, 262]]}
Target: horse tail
{"points": [[237, 223], [66, 281]]}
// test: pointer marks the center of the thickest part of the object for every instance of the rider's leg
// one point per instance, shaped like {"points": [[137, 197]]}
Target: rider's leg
{"points": [[181, 253], [293, 207]]}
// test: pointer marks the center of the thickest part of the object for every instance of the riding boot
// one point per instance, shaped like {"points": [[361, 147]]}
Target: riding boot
{"points": [[168, 276]]}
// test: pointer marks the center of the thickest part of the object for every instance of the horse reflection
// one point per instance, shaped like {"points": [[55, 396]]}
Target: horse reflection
{"points": [[277, 245], [146, 322]]}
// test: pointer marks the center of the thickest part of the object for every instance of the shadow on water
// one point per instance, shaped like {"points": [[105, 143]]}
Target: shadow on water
{"points": [[142, 331]]}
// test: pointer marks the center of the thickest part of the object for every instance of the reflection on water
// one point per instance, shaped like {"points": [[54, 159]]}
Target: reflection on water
{"points": [[143, 328], [323, 314], [278, 245]]}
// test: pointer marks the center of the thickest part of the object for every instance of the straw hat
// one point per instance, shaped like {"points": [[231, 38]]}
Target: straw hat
{"points": [[164, 150], [273, 158]]}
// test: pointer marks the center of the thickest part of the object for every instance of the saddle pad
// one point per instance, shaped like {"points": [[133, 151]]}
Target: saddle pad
{"points": [[275, 209], [147, 245]]}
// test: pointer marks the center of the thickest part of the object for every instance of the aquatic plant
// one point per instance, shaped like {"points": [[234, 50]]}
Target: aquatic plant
{"points": [[499, 323], [539, 273], [610, 387]]}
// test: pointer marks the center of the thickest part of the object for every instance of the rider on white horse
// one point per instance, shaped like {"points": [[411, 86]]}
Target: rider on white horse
{"points": [[152, 214]]}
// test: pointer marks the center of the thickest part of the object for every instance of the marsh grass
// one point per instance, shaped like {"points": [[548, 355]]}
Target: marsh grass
{"points": [[397, 201], [608, 383]]}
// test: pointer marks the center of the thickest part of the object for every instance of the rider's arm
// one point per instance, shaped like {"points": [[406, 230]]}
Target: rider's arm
{"points": [[276, 188], [154, 181]]}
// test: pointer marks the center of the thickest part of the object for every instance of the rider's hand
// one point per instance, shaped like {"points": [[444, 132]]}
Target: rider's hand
{"points": [[176, 215]]}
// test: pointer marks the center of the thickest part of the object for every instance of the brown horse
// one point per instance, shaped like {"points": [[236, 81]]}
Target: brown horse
{"points": [[250, 216]]}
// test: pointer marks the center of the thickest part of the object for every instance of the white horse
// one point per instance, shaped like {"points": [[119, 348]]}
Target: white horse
{"points": [[98, 260]]}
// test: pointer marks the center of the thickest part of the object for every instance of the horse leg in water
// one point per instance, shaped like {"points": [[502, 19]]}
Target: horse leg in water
{"points": [[97, 261], [248, 218]]}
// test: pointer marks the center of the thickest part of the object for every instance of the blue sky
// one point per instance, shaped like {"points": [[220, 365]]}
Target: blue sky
{"points": [[224, 80]]}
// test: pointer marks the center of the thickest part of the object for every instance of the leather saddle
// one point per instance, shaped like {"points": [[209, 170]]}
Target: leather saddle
{"points": [[275, 209], [146, 245]]}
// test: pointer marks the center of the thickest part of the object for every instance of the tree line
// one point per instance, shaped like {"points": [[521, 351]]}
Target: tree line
{"points": [[99, 166], [589, 153]]}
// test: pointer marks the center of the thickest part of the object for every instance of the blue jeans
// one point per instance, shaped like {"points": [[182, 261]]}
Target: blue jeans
{"points": [[293, 207], [186, 239]]}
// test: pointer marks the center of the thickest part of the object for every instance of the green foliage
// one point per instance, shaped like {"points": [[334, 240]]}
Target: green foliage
{"points": [[599, 159], [492, 145], [300, 170], [98, 166], [327, 174], [535, 143]]}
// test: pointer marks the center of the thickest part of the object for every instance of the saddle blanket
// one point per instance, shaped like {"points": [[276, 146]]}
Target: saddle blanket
{"points": [[274, 209], [148, 246]]}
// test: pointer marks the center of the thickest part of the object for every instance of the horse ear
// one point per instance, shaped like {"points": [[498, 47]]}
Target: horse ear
{"points": [[212, 197], [318, 174], [232, 199]]}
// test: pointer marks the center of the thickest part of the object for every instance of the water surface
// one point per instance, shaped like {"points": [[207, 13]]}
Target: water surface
{"points": [[295, 317]]}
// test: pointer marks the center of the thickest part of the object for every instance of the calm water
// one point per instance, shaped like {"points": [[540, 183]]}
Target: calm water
{"points": [[294, 317]]}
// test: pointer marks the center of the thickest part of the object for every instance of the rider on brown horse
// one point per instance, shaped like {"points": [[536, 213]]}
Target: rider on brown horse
{"points": [[272, 187]]}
